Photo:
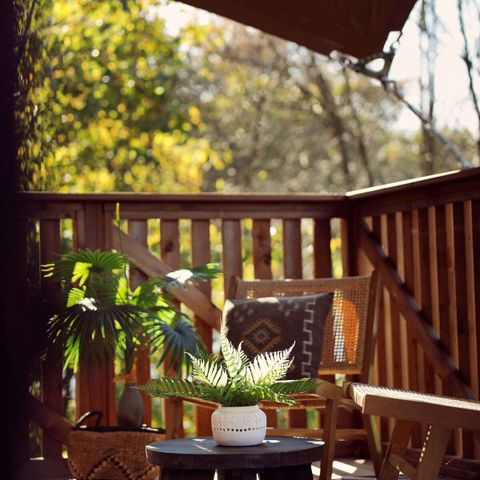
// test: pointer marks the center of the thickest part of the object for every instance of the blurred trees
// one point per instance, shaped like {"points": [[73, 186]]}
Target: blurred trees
{"points": [[111, 110], [120, 103]]}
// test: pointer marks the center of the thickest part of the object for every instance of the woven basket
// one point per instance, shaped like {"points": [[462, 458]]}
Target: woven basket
{"points": [[111, 453]]}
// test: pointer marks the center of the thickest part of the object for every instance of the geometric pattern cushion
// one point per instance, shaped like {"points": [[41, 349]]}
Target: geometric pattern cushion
{"points": [[274, 323]]}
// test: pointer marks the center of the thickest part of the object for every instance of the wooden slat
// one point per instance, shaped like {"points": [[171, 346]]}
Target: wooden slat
{"points": [[381, 363], [200, 234], [437, 355], [292, 249], [444, 295], [322, 259], [322, 255], [170, 254], [262, 249], [458, 326], [232, 251], [262, 268], [411, 343], [472, 272], [475, 214], [50, 247], [292, 268], [434, 284], [422, 289], [349, 247], [170, 243], [153, 266], [95, 387], [472, 259], [394, 313], [139, 231]]}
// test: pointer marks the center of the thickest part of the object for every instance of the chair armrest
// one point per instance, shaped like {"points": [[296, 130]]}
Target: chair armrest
{"points": [[329, 390]]}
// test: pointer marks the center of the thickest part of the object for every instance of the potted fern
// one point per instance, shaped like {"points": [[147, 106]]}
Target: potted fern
{"points": [[237, 385], [98, 317]]}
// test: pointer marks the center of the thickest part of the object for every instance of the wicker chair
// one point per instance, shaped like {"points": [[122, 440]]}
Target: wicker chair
{"points": [[347, 349]]}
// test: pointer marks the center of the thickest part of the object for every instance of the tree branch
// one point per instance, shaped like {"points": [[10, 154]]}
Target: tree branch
{"points": [[392, 88]]}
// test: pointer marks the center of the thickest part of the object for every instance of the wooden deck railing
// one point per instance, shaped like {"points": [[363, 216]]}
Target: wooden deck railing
{"points": [[422, 236], [424, 239]]}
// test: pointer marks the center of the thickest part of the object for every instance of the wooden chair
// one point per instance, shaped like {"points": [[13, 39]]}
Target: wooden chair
{"points": [[441, 414], [347, 349]]}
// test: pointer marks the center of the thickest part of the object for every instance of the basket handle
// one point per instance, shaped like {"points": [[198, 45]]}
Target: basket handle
{"points": [[87, 415]]}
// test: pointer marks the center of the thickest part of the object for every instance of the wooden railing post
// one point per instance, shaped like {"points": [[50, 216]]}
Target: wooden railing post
{"points": [[95, 384], [292, 268], [200, 236], [137, 229], [52, 365], [170, 254]]}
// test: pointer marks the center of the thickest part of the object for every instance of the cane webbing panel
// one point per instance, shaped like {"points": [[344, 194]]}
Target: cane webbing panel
{"points": [[344, 336]]}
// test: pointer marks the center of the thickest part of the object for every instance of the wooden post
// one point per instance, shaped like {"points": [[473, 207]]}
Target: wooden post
{"points": [[262, 267], [138, 230], [95, 385], [292, 267], [170, 253], [231, 252], [52, 365], [200, 234]]}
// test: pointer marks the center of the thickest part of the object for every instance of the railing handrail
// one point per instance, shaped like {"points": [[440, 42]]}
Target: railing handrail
{"points": [[414, 193], [179, 197], [422, 192]]}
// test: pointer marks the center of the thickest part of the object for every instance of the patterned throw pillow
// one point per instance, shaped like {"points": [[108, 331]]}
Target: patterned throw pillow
{"points": [[274, 323]]}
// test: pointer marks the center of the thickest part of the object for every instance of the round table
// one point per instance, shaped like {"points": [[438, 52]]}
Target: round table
{"points": [[280, 458]]}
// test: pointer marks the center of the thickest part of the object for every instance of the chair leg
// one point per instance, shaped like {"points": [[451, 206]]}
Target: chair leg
{"points": [[398, 444], [374, 442], [433, 451], [329, 433]]}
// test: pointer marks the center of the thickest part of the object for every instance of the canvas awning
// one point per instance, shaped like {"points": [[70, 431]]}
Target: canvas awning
{"points": [[354, 27]]}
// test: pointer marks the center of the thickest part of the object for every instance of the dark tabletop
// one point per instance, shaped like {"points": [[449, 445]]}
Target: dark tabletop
{"points": [[204, 453]]}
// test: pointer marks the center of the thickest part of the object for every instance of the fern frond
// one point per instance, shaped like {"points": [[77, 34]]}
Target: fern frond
{"points": [[235, 359], [299, 385], [180, 387], [209, 371], [269, 367]]}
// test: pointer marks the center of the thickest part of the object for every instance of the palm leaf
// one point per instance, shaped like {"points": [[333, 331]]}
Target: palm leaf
{"points": [[176, 340]]}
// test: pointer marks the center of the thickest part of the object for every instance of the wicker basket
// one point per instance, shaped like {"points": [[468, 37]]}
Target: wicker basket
{"points": [[111, 453]]}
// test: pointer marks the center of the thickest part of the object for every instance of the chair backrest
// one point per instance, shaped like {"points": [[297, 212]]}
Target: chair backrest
{"points": [[349, 329]]}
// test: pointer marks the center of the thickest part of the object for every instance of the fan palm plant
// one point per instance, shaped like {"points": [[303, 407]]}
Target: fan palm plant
{"points": [[233, 380], [98, 315]]}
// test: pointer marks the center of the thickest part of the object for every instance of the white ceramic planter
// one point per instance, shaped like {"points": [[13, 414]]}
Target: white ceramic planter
{"points": [[239, 426]]}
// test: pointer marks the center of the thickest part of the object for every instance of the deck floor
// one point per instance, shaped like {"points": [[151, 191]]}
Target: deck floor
{"points": [[351, 469]]}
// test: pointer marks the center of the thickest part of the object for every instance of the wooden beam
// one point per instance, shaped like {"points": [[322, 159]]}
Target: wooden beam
{"points": [[152, 266], [434, 349]]}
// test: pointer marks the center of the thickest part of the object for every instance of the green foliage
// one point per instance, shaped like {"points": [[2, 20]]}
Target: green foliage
{"points": [[99, 315], [233, 380], [109, 104], [110, 100]]}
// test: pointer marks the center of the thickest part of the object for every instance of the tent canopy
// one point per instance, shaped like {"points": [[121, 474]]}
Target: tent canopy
{"points": [[354, 27]]}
